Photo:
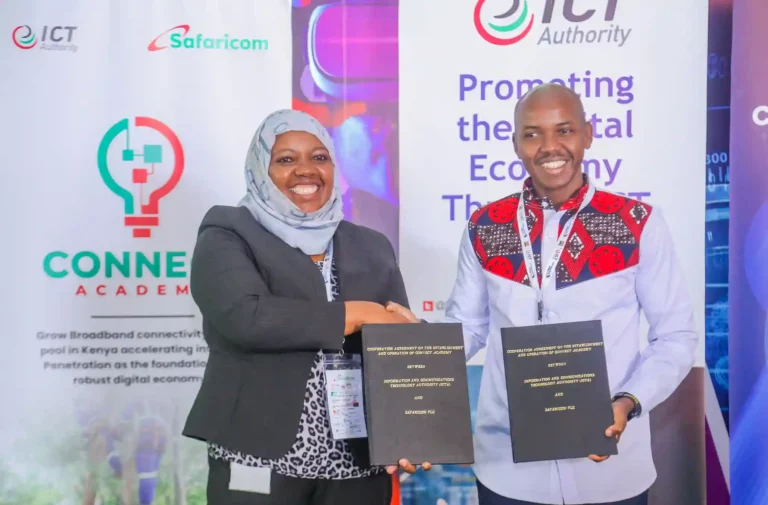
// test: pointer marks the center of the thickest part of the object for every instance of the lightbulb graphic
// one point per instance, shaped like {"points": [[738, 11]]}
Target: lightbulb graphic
{"points": [[139, 215]]}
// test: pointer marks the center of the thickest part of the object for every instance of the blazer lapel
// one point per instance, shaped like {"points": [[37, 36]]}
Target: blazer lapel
{"points": [[350, 271], [302, 265]]}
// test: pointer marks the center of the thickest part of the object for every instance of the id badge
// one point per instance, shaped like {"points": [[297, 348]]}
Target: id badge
{"points": [[344, 395]]}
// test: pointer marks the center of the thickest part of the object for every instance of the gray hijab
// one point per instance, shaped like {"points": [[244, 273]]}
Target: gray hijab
{"points": [[311, 233]]}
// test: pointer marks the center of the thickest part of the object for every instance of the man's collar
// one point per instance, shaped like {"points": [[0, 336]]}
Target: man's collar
{"points": [[573, 203]]}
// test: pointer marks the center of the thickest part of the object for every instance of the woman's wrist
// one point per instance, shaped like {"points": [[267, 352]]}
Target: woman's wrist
{"points": [[357, 313], [350, 318]]}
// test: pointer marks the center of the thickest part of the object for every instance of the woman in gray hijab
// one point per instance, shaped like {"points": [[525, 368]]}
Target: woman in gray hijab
{"points": [[283, 282]]}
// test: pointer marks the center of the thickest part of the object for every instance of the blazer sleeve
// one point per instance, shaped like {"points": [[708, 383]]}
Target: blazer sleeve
{"points": [[398, 295], [233, 297], [397, 292]]}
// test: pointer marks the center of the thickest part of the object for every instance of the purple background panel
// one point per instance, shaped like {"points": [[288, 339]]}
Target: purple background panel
{"points": [[748, 274]]}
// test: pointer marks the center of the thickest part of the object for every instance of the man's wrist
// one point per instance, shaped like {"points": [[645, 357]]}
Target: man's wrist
{"points": [[631, 404], [626, 405]]}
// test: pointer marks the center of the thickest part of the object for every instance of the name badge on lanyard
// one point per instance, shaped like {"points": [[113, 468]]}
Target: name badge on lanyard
{"points": [[343, 381], [344, 395], [530, 260]]}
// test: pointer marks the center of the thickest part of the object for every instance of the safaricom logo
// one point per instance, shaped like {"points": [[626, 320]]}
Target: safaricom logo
{"points": [[178, 37]]}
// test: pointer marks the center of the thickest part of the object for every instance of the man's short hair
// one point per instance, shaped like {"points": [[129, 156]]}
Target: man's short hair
{"points": [[550, 87]]}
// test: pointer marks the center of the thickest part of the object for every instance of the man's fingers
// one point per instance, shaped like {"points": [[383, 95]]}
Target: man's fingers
{"points": [[614, 431], [407, 466], [598, 459]]}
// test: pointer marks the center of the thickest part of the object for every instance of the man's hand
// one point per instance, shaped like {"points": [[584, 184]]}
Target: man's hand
{"points": [[407, 467], [621, 410], [406, 313]]}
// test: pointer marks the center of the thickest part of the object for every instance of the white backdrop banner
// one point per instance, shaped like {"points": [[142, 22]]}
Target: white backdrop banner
{"points": [[121, 124], [637, 67]]}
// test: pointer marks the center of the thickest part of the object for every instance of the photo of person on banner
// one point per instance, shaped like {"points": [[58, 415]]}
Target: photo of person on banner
{"points": [[125, 446], [284, 285], [616, 259]]}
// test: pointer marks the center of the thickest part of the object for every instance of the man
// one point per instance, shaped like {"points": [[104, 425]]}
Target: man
{"points": [[617, 259]]}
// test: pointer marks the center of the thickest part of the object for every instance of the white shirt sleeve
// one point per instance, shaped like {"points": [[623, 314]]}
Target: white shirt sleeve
{"points": [[664, 298], [468, 303]]}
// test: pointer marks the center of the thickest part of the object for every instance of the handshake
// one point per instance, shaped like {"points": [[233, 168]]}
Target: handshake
{"points": [[360, 313]]}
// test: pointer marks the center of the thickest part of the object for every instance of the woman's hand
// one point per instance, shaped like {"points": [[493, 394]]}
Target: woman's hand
{"points": [[406, 313], [360, 313]]}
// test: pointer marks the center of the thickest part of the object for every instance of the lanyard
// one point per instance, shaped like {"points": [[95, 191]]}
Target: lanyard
{"points": [[530, 261], [327, 263], [327, 271]]}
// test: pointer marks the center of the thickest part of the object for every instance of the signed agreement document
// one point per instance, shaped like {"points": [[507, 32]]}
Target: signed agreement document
{"points": [[557, 391], [416, 394]]}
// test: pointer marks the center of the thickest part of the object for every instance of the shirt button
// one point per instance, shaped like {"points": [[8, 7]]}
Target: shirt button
{"points": [[551, 233]]}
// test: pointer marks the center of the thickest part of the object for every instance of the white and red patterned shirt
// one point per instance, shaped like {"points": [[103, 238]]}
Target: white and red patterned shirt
{"points": [[618, 260]]}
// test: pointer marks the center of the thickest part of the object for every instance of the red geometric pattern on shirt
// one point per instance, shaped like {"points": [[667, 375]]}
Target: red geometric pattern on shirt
{"points": [[634, 258], [605, 237], [496, 241], [614, 224], [635, 215], [522, 277], [573, 203], [578, 249]]}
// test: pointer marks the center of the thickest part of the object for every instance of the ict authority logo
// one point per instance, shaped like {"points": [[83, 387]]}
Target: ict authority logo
{"points": [[179, 37], [52, 38], [507, 22], [140, 161], [506, 28]]}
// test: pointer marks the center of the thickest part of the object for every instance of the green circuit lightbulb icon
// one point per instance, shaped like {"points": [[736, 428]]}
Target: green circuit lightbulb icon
{"points": [[140, 216]]}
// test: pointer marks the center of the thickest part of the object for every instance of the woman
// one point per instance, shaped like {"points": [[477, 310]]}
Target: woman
{"points": [[281, 279]]}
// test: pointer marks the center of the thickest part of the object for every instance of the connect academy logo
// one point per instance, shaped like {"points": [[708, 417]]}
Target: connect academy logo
{"points": [[506, 28], [507, 22], [140, 175], [179, 37], [52, 38]]}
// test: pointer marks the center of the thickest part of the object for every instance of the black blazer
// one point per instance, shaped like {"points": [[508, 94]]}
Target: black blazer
{"points": [[265, 316]]}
